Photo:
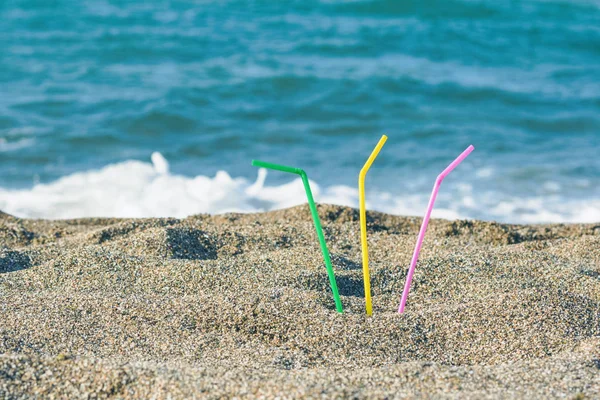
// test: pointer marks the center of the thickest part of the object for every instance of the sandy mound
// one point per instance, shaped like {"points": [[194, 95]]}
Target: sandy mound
{"points": [[240, 305]]}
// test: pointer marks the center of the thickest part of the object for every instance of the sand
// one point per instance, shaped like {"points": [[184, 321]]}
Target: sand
{"points": [[240, 306]]}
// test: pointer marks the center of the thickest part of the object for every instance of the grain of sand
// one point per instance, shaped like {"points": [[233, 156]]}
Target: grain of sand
{"points": [[239, 306]]}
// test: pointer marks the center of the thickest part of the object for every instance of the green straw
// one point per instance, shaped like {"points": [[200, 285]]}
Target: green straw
{"points": [[317, 221]]}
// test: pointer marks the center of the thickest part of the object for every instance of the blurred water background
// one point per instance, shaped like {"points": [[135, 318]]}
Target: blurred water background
{"points": [[156, 108]]}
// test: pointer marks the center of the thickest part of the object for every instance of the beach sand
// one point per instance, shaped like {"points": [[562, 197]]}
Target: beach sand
{"points": [[240, 306]]}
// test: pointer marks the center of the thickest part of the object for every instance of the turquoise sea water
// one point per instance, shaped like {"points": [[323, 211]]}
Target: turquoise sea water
{"points": [[90, 89]]}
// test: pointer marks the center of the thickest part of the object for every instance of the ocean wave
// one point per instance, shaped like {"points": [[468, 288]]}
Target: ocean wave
{"points": [[142, 189], [6, 146]]}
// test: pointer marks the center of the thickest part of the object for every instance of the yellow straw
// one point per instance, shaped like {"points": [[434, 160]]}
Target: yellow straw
{"points": [[363, 223]]}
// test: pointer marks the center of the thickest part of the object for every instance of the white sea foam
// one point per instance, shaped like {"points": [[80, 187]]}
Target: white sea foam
{"points": [[140, 189]]}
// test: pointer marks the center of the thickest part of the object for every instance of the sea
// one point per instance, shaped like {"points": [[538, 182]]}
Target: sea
{"points": [[135, 108]]}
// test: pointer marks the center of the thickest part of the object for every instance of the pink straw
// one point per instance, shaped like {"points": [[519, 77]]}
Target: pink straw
{"points": [[436, 189]]}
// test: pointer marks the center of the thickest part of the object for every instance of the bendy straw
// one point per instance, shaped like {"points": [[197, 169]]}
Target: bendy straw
{"points": [[363, 223], [317, 221], [415, 257]]}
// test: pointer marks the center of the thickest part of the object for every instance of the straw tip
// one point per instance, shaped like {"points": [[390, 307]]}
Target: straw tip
{"points": [[255, 163]]}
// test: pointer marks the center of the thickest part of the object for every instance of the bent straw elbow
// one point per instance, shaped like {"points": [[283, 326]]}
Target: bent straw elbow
{"points": [[439, 180], [363, 174]]}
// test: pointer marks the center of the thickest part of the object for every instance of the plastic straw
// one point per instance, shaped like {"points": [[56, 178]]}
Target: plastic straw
{"points": [[363, 223], [415, 257], [317, 222]]}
